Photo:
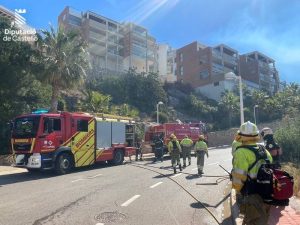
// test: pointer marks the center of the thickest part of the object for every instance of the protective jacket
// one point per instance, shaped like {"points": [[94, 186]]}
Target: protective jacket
{"points": [[234, 145], [172, 148], [243, 159], [186, 142], [201, 146]]}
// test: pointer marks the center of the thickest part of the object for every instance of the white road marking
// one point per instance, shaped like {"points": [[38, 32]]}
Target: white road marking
{"points": [[86, 178], [129, 201], [194, 169], [155, 185], [95, 176], [176, 175], [99, 223], [77, 180], [213, 164]]}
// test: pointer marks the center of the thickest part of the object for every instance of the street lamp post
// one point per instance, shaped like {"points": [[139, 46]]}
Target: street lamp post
{"points": [[256, 106], [157, 115], [232, 75]]}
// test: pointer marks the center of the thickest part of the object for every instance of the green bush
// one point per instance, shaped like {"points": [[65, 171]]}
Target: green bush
{"points": [[288, 137]]}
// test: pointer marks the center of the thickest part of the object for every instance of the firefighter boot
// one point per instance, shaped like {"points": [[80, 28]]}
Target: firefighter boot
{"points": [[189, 163], [175, 170], [199, 172], [180, 167]]}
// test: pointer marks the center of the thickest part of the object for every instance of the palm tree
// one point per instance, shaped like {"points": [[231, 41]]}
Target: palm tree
{"points": [[64, 61]]}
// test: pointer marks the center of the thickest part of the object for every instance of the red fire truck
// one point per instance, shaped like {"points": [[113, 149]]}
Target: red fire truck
{"points": [[62, 141], [193, 130]]}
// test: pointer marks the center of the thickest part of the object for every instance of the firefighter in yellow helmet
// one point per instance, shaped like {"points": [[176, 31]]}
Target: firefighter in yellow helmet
{"points": [[187, 145], [200, 149], [244, 172], [174, 150]]}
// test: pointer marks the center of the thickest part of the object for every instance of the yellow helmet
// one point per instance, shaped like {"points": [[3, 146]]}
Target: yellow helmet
{"points": [[201, 137], [266, 131], [248, 129], [172, 136], [248, 132]]}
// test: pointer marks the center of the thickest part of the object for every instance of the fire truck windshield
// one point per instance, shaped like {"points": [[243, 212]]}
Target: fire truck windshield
{"points": [[26, 127]]}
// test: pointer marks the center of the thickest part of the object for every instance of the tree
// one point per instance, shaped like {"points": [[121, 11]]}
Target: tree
{"points": [[229, 104], [20, 92], [96, 102], [139, 90], [63, 60]]}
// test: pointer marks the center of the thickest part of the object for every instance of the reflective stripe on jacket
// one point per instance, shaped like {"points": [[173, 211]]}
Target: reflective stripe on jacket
{"points": [[243, 158]]}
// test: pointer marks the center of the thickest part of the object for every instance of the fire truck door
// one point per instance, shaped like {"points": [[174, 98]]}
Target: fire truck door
{"points": [[51, 137], [83, 142]]}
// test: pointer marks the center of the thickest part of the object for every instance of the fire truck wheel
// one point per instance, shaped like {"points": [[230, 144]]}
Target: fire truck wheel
{"points": [[118, 157], [63, 164]]}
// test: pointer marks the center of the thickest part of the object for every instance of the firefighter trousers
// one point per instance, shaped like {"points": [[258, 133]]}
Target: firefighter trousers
{"points": [[175, 159], [200, 160], [186, 153], [255, 211]]}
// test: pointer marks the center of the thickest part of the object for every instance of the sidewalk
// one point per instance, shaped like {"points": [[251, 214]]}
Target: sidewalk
{"points": [[289, 215], [5, 170]]}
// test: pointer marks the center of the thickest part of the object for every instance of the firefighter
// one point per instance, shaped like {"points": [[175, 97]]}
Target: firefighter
{"points": [[174, 150], [271, 145], [159, 148], [200, 149], [186, 144], [255, 211]]}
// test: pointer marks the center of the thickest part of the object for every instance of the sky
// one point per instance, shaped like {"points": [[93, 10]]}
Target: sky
{"points": [[268, 26]]}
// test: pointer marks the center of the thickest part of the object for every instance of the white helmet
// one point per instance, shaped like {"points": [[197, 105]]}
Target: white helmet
{"points": [[248, 129], [266, 131]]}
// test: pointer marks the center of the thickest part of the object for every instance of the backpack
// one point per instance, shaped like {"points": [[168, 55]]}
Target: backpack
{"points": [[274, 185], [175, 148]]}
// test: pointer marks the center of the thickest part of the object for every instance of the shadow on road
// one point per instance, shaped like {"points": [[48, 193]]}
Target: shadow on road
{"points": [[36, 175], [192, 176], [23, 177], [201, 205]]}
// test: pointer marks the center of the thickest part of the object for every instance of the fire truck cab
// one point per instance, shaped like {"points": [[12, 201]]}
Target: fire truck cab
{"points": [[62, 141]]}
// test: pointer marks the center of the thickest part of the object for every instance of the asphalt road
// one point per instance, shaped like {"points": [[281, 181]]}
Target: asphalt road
{"points": [[132, 194]]}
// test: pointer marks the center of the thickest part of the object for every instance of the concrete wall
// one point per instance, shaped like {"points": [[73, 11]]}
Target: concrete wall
{"points": [[225, 137]]}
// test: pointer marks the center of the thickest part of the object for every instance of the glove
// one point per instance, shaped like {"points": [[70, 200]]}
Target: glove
{"points": [[207, 155]]}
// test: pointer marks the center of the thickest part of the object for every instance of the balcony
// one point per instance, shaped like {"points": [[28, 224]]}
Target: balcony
{"points": [[97, 25], [230, 59], [216, 54]]}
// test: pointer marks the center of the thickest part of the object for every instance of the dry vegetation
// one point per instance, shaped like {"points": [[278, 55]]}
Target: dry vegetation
{"points": [[6, 160], [295, 172]]}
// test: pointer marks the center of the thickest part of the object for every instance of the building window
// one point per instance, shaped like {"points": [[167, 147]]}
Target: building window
{"points": [[203, 74], [181, 57], [216, 84], [181, 70]]}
